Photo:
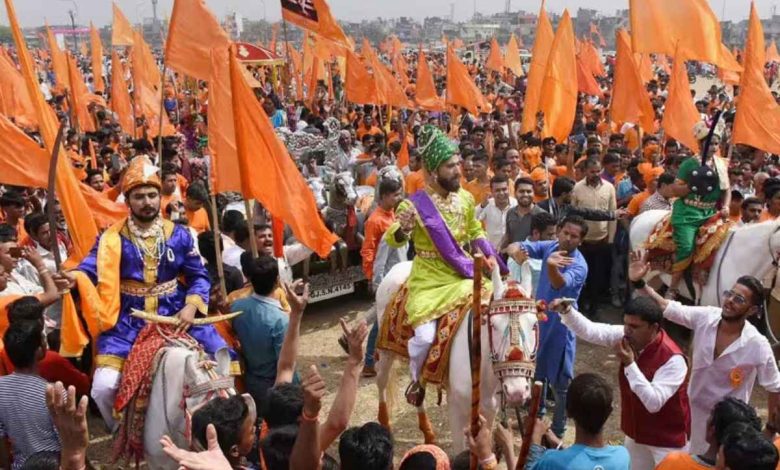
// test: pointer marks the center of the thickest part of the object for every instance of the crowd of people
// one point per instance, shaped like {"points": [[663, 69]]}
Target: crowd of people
{"points": [[552, 216]]}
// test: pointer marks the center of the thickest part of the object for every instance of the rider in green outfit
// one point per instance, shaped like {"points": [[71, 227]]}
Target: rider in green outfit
{"points": [[693, 208]]}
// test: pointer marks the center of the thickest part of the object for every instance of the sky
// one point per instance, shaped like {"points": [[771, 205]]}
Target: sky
{"points": [[33, 12]]}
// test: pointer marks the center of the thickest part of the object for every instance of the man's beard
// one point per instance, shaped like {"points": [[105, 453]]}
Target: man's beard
{"points": [[450, 185], [141, 216]]}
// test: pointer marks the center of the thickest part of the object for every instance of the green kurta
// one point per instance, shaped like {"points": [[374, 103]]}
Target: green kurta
{"points": [[687, 219], [435, 288]]}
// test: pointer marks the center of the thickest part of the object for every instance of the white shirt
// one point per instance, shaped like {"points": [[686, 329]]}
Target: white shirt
{"points": [[232, 256], [495, 220], [293, 254], [711, 378], [653, 394]]}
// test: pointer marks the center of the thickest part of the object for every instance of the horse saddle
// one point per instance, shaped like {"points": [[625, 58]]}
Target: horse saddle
{"points": [[660, 246], [395, 333]]}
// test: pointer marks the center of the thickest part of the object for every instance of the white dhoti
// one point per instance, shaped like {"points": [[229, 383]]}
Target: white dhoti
{"points": [[645, 457], [699, 418], [418, 347], [105, 384]]}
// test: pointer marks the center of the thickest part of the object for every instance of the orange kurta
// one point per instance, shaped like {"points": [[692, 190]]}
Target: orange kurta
{"points": [[198, 220]]}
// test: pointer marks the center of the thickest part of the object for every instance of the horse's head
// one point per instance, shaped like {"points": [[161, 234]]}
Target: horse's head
{"points": [[514, 339], [389, 172], [317, 187], [343, 187]]}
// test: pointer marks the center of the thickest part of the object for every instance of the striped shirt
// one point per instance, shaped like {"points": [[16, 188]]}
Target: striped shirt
{"points": [[24, 418]]}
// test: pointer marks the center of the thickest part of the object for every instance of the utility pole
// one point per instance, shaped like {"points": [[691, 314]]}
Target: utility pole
{"points": [[72, 15], [156, 27]]}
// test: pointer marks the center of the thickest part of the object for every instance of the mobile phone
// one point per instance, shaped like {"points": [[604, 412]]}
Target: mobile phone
{"points": [[15, 252]]}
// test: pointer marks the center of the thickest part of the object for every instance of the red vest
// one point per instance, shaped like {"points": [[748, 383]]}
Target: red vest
{"points": [[671, 425]]}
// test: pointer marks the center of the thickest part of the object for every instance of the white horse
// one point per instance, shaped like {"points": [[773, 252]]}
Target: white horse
{"points": [[747, 250], [184, 380], [515, 377]]}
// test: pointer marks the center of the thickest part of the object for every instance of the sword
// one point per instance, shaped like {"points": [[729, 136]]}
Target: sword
{"points": [[155, 318], [50, 196]]}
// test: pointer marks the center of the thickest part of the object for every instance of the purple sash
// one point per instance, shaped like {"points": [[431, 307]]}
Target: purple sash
{"points": [[449, 249]]}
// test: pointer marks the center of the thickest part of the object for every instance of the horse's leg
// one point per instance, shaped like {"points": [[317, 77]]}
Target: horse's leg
{"points": [[383, 369], [459, 389], [425, 426]]}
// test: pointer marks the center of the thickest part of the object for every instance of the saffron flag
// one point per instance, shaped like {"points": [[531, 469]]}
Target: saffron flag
{"points": [[389, 91], [314, 16], [145, 69], [193, 32], [222, 134], [360, 86], [630, 102], [592, 59], [24, 162], [78, 215], [666, 25], [121, 31], [120, 96], [771, 53], [594, 29], [425, 91], [757, 122], [586, 83], [542, 45], [494, 60], [512, 58], [461, 89], [97, 58], [15, 100], [559, 92], [59, 64], [680, 114], [279, 187], [79, 97], [729, 75]]}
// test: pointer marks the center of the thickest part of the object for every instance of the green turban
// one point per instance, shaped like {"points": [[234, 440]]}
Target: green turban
{"points": [[435, 147]]}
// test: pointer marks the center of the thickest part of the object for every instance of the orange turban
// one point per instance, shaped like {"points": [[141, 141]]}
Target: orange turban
{"points": [[650, 172], [141, 172], [538, 174]]}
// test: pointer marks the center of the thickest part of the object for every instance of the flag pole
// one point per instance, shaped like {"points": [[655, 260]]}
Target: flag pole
{"points": [[162, 110], [218, 246], [287, 74]]}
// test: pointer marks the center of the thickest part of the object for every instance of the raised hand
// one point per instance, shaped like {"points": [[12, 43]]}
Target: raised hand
{"points": [[638, 266], [297, 301], [356, 340], [313, 390], [70, 419], [559, 259], [211, 459]]}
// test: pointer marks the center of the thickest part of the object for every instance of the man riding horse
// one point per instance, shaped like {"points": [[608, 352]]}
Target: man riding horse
{"points": [[144, 263], [440, 221]]}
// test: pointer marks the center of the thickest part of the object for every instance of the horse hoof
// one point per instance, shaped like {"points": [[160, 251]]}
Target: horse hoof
{"points": [[425, 426]]}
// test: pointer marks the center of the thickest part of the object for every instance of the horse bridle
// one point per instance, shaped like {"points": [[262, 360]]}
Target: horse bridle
{"points": [[514, 340]]}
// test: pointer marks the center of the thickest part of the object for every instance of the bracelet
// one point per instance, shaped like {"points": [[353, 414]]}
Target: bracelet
{"points": [[489, 463], [44, 271], [306, 417], [640, 284]]}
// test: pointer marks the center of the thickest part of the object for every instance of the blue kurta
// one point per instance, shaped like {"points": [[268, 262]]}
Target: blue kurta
{"points": [[557, 344], [180, 261]]}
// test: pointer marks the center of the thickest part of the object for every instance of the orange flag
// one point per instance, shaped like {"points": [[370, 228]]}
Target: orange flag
{"points": [[771, 53], [542, 44], [586, 83], [592, 59], [494, 60], [680, 114], [193, 32], [97, 58], [58, 62], [79, 97], [23, 160], [630, 102], [729, 75], [279, 186], [144, 65], [274, 33], [359, 86], [645, 67], [594, 29], [425, 91], [120, 96], [314, 16], [121, 31], [757, 122], [222, 133], [461, 89], [664, 25], [512, 58], [389, 91], [78, 215], [15, 99], [559, 91]]}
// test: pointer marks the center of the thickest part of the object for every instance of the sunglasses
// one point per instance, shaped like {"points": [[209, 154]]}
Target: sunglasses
{"points": [[736, 298]]}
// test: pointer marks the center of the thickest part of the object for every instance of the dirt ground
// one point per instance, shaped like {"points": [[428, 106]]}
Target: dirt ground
{"points": [[320, 330]]}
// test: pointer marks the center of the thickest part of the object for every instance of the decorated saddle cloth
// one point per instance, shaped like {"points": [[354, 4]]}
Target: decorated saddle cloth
{"points": [[395, 332], [660, 246]]}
